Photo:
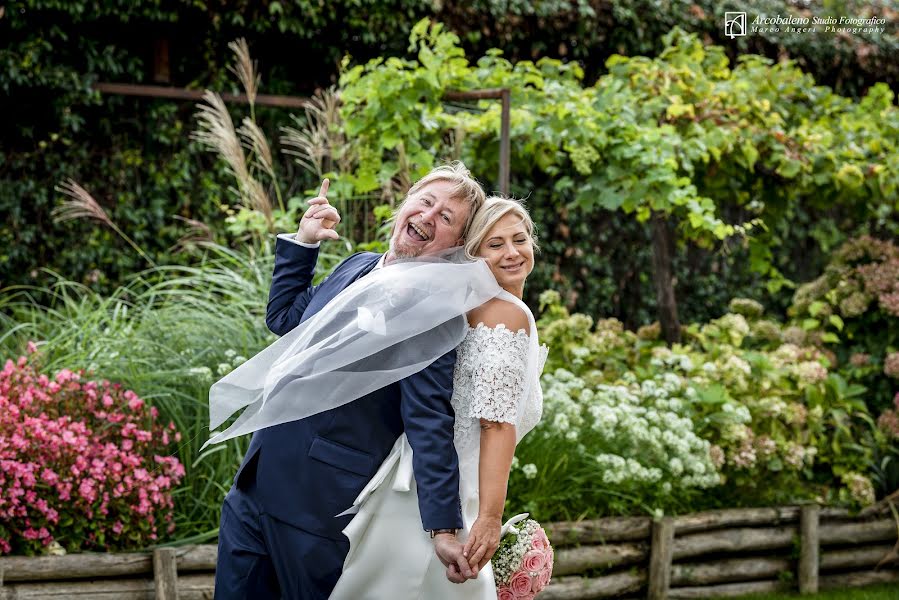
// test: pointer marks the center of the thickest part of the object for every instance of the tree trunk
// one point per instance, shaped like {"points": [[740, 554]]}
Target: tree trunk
{"points": [[663, 277]]}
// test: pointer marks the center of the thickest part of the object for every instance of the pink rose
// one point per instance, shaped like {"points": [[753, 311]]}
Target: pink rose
{"points": [[540, 541], [504, 593], [520, 584], [543, 578], [534, 560]]}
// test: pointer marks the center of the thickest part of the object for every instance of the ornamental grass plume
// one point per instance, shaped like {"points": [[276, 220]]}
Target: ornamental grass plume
{"points": [[319, 141], [82, 463], [216, 131], [81, 205], [245, 69]]}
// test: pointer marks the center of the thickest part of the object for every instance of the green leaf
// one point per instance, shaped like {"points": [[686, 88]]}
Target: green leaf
{"points": [[830, 338], [816, 307], [750, 154], [809, 324], [836, 321]]}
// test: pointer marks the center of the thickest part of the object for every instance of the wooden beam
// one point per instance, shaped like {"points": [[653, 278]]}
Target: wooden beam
{"points": [[569, 561], [88, 565], [173, 93], [608, 586]]}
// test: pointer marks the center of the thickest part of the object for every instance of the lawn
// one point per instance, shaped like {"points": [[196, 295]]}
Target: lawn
{"points": [[887, 591]]}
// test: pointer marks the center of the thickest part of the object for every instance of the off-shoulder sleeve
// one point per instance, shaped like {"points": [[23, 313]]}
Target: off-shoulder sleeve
{"points": [[498, 370]]}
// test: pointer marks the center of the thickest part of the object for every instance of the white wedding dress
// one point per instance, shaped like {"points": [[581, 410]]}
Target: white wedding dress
{"points": [[496, 377]]}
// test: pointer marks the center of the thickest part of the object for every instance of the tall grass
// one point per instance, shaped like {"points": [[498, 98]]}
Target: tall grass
{"points": [[167, 334]]}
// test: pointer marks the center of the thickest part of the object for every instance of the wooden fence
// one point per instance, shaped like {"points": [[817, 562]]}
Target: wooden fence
{"points": [[703, 555]]}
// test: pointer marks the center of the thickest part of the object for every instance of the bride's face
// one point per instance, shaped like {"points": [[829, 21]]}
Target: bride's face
{"points": [[509, 252]]}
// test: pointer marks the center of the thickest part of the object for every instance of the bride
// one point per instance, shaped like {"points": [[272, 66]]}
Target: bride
{"points": [[497, 400]]}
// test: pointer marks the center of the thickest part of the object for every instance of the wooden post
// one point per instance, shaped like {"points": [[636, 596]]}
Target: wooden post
{"points": [[505, 151], [810, 549], [660, 558], [165, 573], [161, 71]]}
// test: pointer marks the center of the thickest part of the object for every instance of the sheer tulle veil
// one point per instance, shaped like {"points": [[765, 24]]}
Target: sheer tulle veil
{"points": [[386, 326]]}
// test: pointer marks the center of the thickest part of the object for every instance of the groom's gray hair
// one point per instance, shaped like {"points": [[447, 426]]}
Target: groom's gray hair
{"points": [[465, 189]]}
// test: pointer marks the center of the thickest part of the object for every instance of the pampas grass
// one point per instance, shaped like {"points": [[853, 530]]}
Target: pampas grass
{"points": [[81, 205], [319, 142], [245, 70]]}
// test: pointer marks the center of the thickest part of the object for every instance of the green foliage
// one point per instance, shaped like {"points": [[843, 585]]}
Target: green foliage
{"points": [[685, 135], [633, 425], [167, 334], [853, 308], [55, 51]]}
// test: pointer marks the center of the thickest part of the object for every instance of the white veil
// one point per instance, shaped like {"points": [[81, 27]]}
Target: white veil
{"points": [[386, 326]]}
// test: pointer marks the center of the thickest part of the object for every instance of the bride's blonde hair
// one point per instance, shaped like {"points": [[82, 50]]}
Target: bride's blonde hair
{"points": [[494, 209]]}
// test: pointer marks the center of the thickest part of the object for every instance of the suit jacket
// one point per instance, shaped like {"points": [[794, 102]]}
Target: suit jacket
{"points": [[310, 470]]}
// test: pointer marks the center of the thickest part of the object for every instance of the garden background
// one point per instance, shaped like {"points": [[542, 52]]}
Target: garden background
{"points": [[718, 285]]}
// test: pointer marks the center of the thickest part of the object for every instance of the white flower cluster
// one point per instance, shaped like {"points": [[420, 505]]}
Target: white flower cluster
{"points": [[642, 431], [508, 557], [664, 357], [562, 395]]}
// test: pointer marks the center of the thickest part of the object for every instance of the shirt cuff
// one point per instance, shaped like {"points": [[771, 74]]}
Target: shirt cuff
{"points": [[292, 237]]}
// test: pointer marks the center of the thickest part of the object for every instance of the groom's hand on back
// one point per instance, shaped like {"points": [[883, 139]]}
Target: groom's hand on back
{"points": [[449, 551], [320, 218]]}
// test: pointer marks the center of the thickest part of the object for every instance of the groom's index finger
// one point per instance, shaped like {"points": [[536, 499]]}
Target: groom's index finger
{"points": [[323, 191]]}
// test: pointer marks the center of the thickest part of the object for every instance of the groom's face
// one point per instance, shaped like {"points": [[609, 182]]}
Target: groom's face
{"points": [[429, 221]]}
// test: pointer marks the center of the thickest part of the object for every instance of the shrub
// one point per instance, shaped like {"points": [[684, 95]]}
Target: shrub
{"points": [[82, 463], [853, 307], [636, 425]]}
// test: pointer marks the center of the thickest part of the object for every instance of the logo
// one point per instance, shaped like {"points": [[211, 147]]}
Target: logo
{"points": [[734, 24]]}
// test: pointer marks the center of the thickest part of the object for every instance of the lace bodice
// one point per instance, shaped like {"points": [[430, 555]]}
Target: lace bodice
{"points": [[489, 382]]}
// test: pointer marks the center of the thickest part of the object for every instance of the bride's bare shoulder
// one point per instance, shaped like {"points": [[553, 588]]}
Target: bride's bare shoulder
{"points": [[496, 312]]}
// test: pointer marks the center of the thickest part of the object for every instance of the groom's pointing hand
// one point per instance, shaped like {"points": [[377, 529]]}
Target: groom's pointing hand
{"points": [[449, 551], [320, 218]]}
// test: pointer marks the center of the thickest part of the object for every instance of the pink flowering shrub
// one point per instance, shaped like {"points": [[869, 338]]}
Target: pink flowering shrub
{"points": [[81, 462]]}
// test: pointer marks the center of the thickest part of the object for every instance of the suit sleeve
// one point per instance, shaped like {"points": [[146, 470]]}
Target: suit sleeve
{"points": [[428, 418], [292, 287]]}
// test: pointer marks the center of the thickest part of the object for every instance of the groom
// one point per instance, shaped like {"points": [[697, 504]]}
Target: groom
{"points": [[279, 536]]}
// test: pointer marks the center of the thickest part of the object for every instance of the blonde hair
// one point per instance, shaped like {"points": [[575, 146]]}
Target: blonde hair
{"points": [[494, 209], [465, 189]]}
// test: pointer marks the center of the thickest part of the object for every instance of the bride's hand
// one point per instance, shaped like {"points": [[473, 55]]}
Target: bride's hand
{"points": [[483, 540]]}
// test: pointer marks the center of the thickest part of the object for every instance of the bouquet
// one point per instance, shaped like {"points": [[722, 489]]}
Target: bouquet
{"points": [[523, 563]]}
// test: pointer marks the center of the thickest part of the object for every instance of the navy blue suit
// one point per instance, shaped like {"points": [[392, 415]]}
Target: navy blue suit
{"points": [[279, 535]]}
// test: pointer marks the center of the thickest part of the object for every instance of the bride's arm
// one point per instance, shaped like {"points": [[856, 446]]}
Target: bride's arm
{"points": [[497, 450], [497, 446]]}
